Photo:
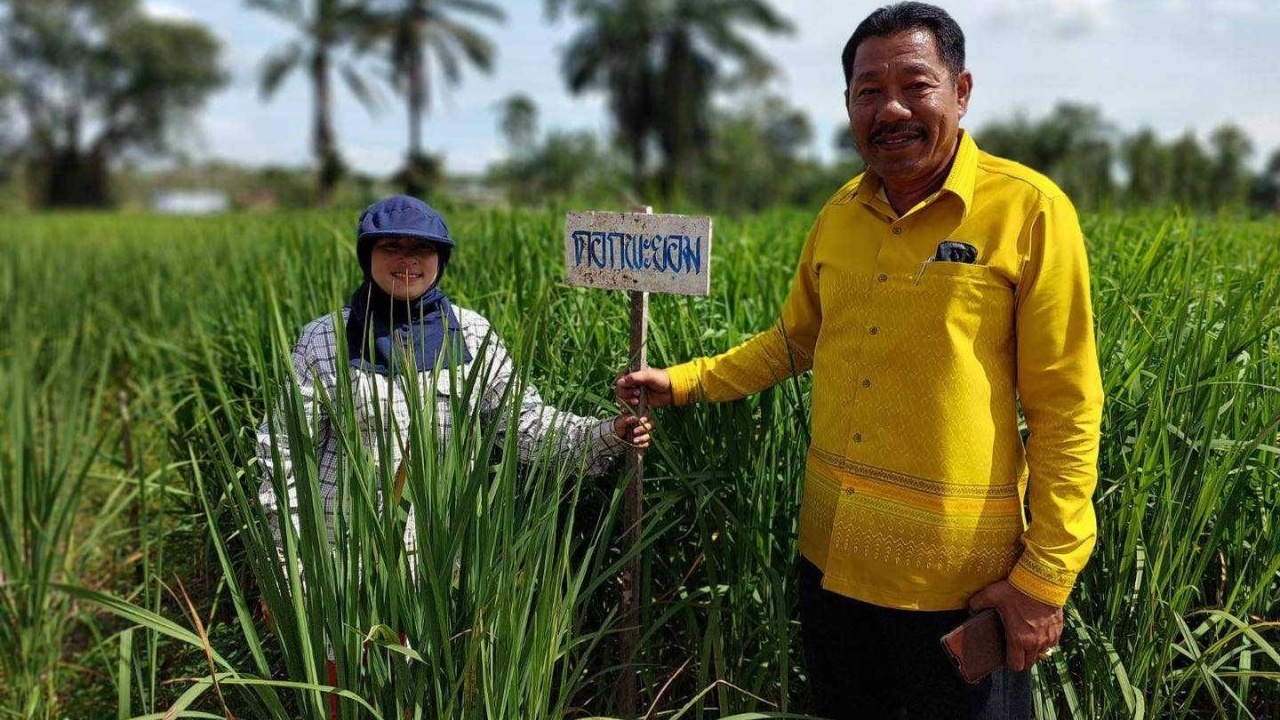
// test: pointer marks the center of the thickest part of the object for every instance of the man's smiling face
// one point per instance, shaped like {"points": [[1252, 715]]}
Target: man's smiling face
{"points": [[905, 107]]}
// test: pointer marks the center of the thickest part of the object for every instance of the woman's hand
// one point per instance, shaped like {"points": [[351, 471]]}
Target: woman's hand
{"points": [[633, 430]]}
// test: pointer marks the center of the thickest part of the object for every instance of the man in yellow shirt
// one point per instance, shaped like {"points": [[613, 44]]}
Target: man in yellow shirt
{"points": [[936, 295]]}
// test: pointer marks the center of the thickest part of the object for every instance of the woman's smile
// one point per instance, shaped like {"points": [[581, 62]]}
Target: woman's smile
{"points": [[403, 267]]}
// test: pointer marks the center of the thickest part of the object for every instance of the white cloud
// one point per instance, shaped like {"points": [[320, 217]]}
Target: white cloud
{"points": [[374, 159], [1222, 18], [1235, 8], [158, 10], [1062, 18]]}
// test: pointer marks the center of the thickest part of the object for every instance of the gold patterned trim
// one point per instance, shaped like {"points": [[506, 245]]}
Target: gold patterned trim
{"points": [[911, 482], [1037, 587], [1008, 525], [1046, 572]]}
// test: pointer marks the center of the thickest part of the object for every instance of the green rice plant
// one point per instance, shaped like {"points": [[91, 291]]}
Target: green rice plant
{"points": [[1174, 618], [48, 445], [488, 603]]}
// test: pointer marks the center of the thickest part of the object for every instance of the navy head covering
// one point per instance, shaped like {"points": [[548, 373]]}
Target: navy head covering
{"points": [[401, 216], [381, 329]]}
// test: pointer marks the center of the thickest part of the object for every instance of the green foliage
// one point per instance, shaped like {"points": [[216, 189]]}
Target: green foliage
{"points": [[518, 121], [563, 165], [1072, 145], [1087, 156], [757, 160], [323, 29], [659, 63], [1174, 618], [1265, 193], [49, 394], [406, 31], [97, 79]]}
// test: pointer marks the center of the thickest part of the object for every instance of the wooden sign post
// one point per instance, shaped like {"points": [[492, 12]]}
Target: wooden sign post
{"points": [[641, 253]]}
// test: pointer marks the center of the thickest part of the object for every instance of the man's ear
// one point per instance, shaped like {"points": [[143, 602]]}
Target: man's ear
{"points": [[964, 87]]}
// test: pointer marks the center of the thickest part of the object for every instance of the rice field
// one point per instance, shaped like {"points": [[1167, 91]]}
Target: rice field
{"points": [[138, 355]]}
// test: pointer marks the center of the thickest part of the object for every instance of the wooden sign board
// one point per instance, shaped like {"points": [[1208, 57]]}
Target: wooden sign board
{"points": [[638, 252]]}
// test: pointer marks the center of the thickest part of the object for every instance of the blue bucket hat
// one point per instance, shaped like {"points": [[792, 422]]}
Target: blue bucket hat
{"points": [[401, 216]]}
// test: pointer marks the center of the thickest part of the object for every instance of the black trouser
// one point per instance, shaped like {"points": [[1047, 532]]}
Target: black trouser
{"points": [[867, 662]]}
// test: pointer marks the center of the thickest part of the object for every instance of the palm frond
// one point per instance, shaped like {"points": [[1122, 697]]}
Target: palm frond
{"points": [[585, 61], [477, 48], [479, 8], [363, 90], [756, 13], [290, 11], [450, 64], [276, 66]]}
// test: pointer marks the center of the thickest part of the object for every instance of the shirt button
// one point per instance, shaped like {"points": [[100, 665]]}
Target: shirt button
{"points": [[857, 437], [874, 330], [866, 383], [883, 278], [848, 491], [897, 231]]}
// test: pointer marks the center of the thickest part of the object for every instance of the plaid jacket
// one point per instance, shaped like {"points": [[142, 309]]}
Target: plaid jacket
{"points": [[381, 402]]}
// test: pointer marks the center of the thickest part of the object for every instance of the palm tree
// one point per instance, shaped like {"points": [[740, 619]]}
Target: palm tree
{"points": [[322, 29], [659, 61], [412, 27], [612, 53], [694, 37], [519, 122]]}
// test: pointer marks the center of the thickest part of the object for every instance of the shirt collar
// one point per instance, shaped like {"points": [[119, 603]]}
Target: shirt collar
{"points": [[960, 181]]}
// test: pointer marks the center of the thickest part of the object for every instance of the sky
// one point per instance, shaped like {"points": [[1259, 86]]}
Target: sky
{"points": [[1173, 65]]}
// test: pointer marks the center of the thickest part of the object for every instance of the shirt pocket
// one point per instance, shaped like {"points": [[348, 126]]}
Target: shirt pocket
{"points": [[965, 303], [949, 276]]}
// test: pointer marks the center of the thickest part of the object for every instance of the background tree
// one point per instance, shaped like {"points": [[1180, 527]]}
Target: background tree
{"points": [[324, 29], [94, 80], [842, 143], [8, 130], [694, 39], [660, 61], [1189, 168], [1073, 145], [1147, 164], [567, 165], [753, 158], [611, 54], [1229, 179], [1265, 195], [518, 122], [411, 29]]}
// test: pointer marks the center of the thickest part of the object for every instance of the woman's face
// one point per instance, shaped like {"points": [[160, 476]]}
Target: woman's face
{"points": [[404, 267]]}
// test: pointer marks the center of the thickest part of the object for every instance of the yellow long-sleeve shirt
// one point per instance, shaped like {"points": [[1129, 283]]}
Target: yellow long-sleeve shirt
{"points": [[916, 475]]}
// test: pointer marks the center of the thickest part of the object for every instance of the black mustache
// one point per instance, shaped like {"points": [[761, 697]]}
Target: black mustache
{"points": [[902, 127]]}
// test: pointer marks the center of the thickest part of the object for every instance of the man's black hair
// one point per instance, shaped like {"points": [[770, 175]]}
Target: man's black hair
{"points": [[901, 17]]}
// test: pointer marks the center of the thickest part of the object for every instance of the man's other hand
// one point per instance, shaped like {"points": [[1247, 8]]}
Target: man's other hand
{"points": [[655, 380], [1031, 628]]}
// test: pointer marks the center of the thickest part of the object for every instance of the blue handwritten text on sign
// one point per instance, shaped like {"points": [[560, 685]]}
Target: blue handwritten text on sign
{"points": [[655, 253]]}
